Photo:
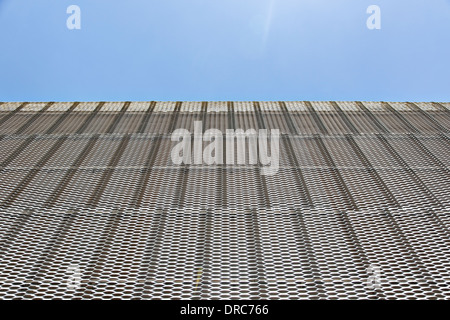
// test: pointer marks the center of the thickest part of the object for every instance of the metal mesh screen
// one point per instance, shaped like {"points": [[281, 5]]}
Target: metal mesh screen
{"points": [[91, 205]]}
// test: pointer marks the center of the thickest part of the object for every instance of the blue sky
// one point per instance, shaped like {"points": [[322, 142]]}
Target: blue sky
{"points": [[224, 50]]}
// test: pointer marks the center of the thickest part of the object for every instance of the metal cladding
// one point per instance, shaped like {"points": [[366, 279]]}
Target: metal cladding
{"points": [[91, 205]]}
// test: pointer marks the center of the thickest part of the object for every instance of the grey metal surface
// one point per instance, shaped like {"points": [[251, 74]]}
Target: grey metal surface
{"points": [[91, 186]]}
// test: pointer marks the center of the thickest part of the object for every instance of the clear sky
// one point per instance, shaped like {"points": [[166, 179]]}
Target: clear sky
{"points": [[224, 50]]}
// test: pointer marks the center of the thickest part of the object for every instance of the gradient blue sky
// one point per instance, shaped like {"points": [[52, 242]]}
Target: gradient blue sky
{"points": [[224, 50]]}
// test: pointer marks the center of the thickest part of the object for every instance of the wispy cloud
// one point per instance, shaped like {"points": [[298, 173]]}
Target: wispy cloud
{"points": [[268, 22]]}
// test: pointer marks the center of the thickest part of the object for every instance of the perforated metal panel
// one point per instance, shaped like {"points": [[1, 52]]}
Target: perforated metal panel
{"points": [[92, 206]]}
